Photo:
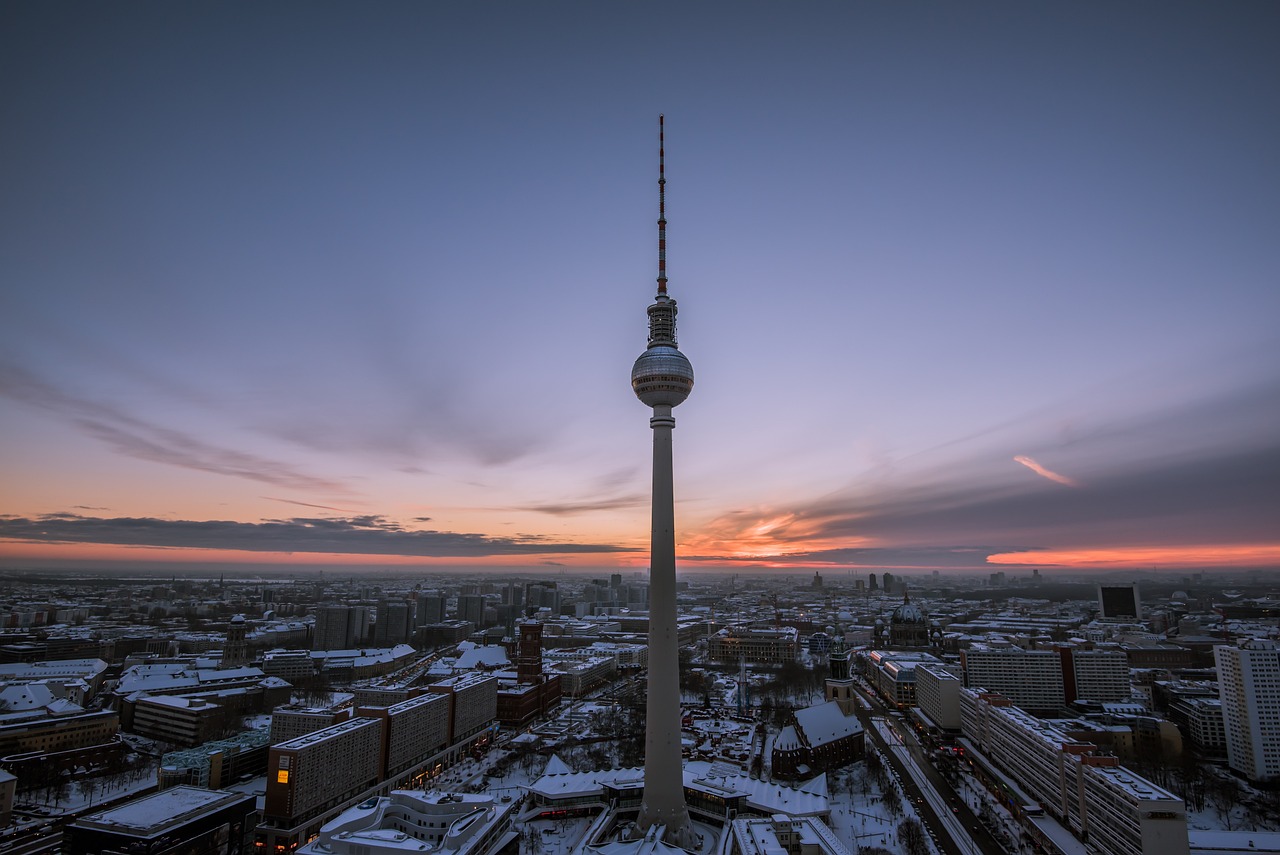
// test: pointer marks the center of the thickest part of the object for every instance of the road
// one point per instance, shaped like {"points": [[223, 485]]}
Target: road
{"points": [[960, 832]]}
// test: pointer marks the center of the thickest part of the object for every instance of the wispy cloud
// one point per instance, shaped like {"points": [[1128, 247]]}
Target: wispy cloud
{"points": [[560, 509], [1043, 471], [363, 535], [131, 436], [300, 504]]}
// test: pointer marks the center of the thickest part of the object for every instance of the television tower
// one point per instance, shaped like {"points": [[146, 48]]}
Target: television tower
{"points": [[662, 378]]}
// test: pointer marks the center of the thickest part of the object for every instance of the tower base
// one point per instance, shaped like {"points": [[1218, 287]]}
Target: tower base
{"points": [[673, 833]]}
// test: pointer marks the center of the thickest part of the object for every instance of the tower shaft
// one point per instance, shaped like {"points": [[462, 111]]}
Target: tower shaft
{"points": [[663, 769]]}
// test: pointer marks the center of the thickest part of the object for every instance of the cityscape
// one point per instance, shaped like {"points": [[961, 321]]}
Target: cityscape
{"points": [[949, 555]]}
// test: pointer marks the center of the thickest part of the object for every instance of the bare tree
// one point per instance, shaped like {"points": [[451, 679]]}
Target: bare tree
{"points": [[891, 800], [912, 836]]}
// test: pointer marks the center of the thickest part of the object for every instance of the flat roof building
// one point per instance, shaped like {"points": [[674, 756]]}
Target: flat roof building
{"points": [[186, 819]]}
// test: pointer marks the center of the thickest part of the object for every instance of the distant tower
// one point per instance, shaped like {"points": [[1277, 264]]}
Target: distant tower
{"points": [[662, 378], [529, 655], [235, 652]]}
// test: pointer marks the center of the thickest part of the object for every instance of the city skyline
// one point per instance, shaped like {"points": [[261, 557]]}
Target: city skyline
{"points": [[333, 286]]}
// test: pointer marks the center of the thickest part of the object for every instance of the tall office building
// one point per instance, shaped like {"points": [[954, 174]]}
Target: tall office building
{"points": [[431, 607], [395, 623], [471, 608], [1249, 688], [340, 627], [662, 378], [1118, 602]]}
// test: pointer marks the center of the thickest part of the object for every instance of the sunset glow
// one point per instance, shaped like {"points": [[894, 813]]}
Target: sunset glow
{"points": [[261, 306], [1204, 555]]}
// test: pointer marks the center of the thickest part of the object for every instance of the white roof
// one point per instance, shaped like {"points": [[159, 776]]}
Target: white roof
{"points": [[826, 723]]}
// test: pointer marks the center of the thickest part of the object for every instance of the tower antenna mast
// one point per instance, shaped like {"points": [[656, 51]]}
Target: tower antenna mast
{"points": [[662, 207]]}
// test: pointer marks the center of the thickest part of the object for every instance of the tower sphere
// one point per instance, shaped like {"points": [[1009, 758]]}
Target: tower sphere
{"points": [[662, 376]]}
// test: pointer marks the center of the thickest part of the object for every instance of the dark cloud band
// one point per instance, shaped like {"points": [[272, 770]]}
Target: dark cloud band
{"points": [[367, 535]]}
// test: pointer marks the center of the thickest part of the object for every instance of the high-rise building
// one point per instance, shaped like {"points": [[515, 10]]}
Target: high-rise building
{"points": [[340, 627], [662, 378], [1249, 688], [1045, 680], [471, 608], [431, 608], [395, 623], [1118, 602]]}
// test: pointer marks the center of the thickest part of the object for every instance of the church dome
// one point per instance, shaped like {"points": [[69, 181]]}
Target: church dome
{"points": [[908, 612]]}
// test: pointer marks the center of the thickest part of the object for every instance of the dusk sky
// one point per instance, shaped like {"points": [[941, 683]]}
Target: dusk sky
{"points": [[965, 285]]}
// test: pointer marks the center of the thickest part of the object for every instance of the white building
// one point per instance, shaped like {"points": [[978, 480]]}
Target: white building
{"points": [[938, 695], [417, 821], [1249, 688], [1113, 810], [1031, 679], [781, 833], [1046, 680]]}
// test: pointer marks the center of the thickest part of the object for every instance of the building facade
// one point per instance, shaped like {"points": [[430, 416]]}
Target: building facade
{"points": [[1249, 690]]}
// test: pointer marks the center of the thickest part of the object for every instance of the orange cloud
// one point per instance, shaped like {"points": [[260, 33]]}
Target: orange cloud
{"points": [[1199, 555], [1042, 471], [757, 537]]}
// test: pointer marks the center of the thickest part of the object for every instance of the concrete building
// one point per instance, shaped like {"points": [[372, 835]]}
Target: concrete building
{"points": [[1120, 602], [394, 623], [473, 703], [767, 646], [291, 665], [181, 819], [412, 730], [290, 722], [340, 627], [1249, 689], [179, 720], [432, 607], [8, 787], [49, 733], [938, 696], [471, 609], [780, 833], [417, 821], [1044, 681], [317, 771], [893, 673], [1113, 810]]}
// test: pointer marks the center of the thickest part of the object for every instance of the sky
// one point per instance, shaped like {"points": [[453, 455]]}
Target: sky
{"points": [[965, 286]]}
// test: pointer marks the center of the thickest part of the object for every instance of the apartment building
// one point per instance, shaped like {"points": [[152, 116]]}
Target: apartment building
{"points": [[1113, 810], [473, 703], [1249, 689], [412, 730], [1044, 681], [320, 770]]}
